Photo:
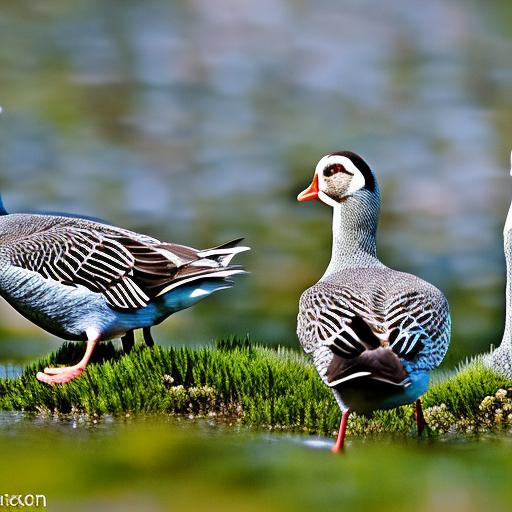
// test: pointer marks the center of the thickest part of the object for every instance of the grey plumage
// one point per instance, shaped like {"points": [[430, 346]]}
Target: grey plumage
{"points": [[128, 268], [80, 279], [373, 333], [405, 314], [501, 358]]}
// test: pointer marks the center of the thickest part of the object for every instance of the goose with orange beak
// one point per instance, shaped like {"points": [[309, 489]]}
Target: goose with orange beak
{"points": [[374, 333]]}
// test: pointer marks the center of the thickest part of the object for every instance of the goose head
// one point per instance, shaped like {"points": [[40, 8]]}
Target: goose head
{"points": [[339, 176]]}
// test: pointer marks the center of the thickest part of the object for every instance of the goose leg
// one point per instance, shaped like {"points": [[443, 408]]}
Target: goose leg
{"points": [[420, 419], [128, 341], [341, 433], [146, 332], [67, 373]]}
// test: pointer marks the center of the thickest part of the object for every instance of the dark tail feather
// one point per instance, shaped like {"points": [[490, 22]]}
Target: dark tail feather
{"points": [[380, 364], [215, 274], [352, 342], [228, 245], [363, 330]]}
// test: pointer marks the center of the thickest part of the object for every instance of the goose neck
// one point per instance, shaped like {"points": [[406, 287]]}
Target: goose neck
{"points": [[354, 229], [507, 241]]}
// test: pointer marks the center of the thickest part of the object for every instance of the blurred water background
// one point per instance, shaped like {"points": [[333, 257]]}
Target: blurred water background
{"points": [[198, 122], [140, 465]]}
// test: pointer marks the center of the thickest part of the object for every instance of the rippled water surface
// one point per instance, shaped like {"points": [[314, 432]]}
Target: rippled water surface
{"points": [[200, 121]]}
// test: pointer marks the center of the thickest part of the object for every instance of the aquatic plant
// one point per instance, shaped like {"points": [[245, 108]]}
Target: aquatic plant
{"points": [[243, 383]]}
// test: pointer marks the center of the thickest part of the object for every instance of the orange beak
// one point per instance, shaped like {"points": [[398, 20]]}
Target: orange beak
{"points": [[311, 192]]}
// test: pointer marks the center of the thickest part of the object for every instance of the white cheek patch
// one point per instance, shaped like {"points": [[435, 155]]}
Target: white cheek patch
{"points": [[327, 200], [356, 183]]}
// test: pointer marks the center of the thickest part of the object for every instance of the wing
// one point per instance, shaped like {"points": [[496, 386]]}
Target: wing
{"points": [[339, 321], [362, 343], [420, 326], [128, 269], [335, 320], [108, 262]]}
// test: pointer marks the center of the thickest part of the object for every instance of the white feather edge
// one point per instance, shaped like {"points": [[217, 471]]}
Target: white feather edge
{"points": [[220, 252], [350, 377], [221, 274], [229, 254], [508, 222], [356, 375], [226, 254], [199, 292]]}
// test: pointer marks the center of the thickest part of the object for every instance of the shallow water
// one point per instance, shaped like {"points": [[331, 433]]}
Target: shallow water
{"points": [[163, 463], [10, 370]]}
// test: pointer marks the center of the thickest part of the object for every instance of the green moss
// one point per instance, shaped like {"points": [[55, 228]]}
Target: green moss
{"points": [[475, 400], [238, 382], [463, 392]]}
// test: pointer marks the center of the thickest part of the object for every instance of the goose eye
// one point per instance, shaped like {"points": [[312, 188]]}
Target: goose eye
{"points": [[335, 169]]}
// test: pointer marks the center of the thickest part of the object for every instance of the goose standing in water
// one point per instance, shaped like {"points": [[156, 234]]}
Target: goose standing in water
{"points": [[374, 333]]}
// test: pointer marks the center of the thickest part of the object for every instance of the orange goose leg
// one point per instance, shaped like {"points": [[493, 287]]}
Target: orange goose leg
{"points": [[65, 374], [341, 433]]}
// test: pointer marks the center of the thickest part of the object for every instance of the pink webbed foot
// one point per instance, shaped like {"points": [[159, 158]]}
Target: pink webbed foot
{"points": [[56, 370], [59, 375]]}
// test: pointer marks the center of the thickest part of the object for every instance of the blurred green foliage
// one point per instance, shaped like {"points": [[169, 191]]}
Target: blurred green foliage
{"points": [[143, 465], [256, 385]]}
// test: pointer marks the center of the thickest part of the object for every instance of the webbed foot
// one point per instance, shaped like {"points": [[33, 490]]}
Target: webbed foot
{"points": [[59, 375]]}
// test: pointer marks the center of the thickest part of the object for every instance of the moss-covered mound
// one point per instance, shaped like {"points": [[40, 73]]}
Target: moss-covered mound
{"points": [[253, 385]]}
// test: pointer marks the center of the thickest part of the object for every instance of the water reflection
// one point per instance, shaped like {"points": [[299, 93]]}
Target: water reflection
{"points": [[8, 371], [198, 122], [149, 465]]}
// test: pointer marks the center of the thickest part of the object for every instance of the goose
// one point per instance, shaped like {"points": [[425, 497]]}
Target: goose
{"points": [[84, 280], [373, 333], [501, 358]]}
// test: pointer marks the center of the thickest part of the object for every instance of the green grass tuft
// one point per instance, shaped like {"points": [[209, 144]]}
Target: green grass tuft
{"points": [[463, 392], [236, 381]]}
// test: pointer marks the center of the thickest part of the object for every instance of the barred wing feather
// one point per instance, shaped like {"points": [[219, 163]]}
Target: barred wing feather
{"points": [[348, 326], [335, 321], [127, 269]]}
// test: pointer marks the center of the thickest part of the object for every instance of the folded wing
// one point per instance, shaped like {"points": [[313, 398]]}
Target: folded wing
{"points": [[129, 269]]}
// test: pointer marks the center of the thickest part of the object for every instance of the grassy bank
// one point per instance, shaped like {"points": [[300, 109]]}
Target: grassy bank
{"points": [[253, 385]]}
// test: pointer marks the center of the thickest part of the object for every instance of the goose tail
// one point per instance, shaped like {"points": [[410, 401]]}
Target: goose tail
{"points": [[223, 254]]}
